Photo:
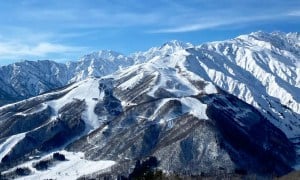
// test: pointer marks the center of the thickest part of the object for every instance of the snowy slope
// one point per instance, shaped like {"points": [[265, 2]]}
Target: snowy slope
{"points": [[86, 90], [261, 69], [74, 167], [9, 143], [168, 74]]}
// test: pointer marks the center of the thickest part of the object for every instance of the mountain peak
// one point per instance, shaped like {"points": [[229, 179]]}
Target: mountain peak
{"points": [[176, 44], [103, 54]]}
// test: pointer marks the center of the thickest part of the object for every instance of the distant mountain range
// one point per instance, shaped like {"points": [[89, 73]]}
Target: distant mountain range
{"points": [[221, 108]]}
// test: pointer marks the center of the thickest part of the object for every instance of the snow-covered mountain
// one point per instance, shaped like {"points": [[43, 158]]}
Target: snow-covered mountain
{"points": [[30, 78], [98, 64], [219, 108], [155, 109], [260, 68], [164, 50], [25, 79]]}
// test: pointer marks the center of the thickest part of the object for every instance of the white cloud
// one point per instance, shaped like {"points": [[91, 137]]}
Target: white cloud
{"points": [[44, 48], [12, 50]]}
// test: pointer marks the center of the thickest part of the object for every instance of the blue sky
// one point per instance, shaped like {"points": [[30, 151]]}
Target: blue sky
{"points": [[66, 30]]}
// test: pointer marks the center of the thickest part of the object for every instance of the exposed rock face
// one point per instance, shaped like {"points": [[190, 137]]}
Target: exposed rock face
{"points": [[110, 105], [253, 143]]}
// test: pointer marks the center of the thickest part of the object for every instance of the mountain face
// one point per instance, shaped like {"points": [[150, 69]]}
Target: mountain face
{"points": [[221, 108], [30, 78], [261, 69]]}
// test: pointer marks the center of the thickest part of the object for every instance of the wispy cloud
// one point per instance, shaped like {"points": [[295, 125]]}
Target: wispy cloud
{"points": [[213, 23], [188, 16], [190, 27], [294, 13]]}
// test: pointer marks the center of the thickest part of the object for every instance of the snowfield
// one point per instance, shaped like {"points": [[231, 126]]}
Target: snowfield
{"points": [[74, 167], [9, 143]]}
